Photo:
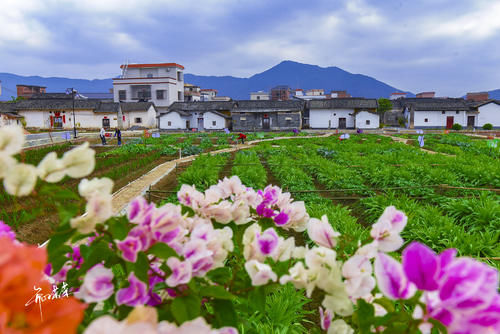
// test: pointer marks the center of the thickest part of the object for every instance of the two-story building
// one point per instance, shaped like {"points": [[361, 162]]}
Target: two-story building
{"points": [[161, 84]]}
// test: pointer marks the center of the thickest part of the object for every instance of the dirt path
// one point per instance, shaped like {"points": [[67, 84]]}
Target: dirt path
{"points": [[405, 141]]}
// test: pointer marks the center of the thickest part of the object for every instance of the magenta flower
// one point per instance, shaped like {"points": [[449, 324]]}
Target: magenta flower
{"points": [[325, 318], [138, 211], [281, 218], [154, 298], [97, 285], [6, 231], [321, 232], [267, 241], [143, 233], [391, 278], [130, 247], [181, 272], [135, 294]]}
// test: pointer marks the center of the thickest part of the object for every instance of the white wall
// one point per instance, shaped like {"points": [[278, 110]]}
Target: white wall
{"points": [[84, 119], [209, 118], [488, 113], [323, 118], [363, 116], [148, 118], [176, 121], [438, 119]]}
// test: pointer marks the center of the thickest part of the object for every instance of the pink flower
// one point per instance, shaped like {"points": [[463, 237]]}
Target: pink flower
{"points": [[189, 196], [387, 229], [358, 273], [97, 285], [267, 241], [231, 186], [130, 247], [138, 210], [135, 294], [260, 273], [325, 318], [181, 272], [165, 223], [321, 232], [6, 231], [391, 278], [195, 251]]}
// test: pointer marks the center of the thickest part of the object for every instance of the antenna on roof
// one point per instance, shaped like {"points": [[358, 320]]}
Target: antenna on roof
{"points": [[124, 69]]}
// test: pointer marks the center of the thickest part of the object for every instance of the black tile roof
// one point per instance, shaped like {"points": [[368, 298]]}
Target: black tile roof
{"points": [[343, 103], [434, 104], [201, 106], [135, 106], [56, 104], [108, 107], [268, 105]]}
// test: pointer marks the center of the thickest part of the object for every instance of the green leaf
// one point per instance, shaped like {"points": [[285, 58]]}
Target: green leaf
{"points": [[161, 286], [224, 312], [58, 239], [257, 299], [386, 303], [216, 291], [118, 271], [60, 257], [162, 251], [220, 275], [118, 227], [185, 308], [141, 267], [99, 252], [366, 313], [437, 325]]}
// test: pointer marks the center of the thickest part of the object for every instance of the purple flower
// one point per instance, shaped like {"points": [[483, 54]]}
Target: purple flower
{"points": [[138, 210], [281, 219], [97, 285], [135, 294], [391, 278], [325, 318], [421, 266], [6, 231], [130, 247], [154, 298], [267, 241], [264, 211], [142, 232], [181, 272]]}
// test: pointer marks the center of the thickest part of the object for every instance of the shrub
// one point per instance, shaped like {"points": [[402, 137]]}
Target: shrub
{"points": [[488, 126], [456, 126]]}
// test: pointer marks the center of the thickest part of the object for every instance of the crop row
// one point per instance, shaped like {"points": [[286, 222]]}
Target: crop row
{"points": [[248, 167], [204, 171]]}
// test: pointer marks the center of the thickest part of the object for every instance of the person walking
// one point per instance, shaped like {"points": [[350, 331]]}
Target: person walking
{"points": [[118, 135], [242, 137], [102, 134]]}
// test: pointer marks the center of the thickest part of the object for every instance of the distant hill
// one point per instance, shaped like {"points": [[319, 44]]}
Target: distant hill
{"points": [[495, 94], [54, 85], [296, 75], [293, 74]]}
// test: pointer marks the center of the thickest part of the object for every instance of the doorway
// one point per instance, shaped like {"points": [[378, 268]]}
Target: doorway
{"points": [[449, 122], [342, 123], [105, 123], [470, 121], [58, 122], [265, 122], [200, 124], [188, 125]]}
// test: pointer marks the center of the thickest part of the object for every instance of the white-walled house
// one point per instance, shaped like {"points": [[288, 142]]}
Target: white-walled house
{"points": [[437, 113], [56, 112], [343, 113], [487, 112], [162, 84], [209, 115], [8, 116]]}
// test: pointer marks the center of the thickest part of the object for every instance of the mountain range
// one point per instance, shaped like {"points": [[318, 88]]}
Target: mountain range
{"points": [[293, 74]]}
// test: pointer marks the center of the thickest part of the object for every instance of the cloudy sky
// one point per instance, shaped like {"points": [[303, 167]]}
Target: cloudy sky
{"points": [[450, 46]]}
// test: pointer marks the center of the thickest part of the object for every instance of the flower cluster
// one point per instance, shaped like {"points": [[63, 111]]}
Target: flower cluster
{"points": [[19, 179]]}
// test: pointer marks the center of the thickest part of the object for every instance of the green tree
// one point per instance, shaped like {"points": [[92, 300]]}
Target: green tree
{"points": [[383, 106]]}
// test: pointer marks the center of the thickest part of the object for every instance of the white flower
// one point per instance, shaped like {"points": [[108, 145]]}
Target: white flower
{"points": [[320, 256], [387, 229], [20, 179], [51, 169], [6, 161], [298, 277], [321, 232], [285, 249], [338, 303], [84, 224], [80, 161], [87, 188], [11, 139], [99, 207], [260, 273], [104, 325], [369, 250], [97, 285], [299, 252], [339, 326]]}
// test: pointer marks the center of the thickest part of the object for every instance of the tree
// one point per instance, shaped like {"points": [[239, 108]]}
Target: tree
{"points": [[383, 106]]}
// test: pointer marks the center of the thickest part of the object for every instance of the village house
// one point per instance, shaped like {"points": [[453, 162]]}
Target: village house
{"points": [[191, 93], [162, 84], [8, 116], [437, 112], [208, 115], [484, 112], [260, 95], [258, 115], [26, 91], [138, 114], [207, 94], [343, 113]]}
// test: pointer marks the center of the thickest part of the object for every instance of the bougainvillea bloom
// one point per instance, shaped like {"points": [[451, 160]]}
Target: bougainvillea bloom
{"points": [[321, 232], [391, 278], [97, 285], [135, 294]]}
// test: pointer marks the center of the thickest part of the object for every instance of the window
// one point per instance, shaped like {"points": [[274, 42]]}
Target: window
{"points": [[179, 76], [258, 97], [169, 123], [426, 120], [138, 120], [122, 95], [214, 123], [150, 75], [442, 112], [367, 122], [179, 96], [457, 112], [159, 94]]}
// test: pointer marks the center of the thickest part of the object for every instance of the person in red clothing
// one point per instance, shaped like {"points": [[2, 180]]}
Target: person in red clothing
{"points": [[242, 137]]}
